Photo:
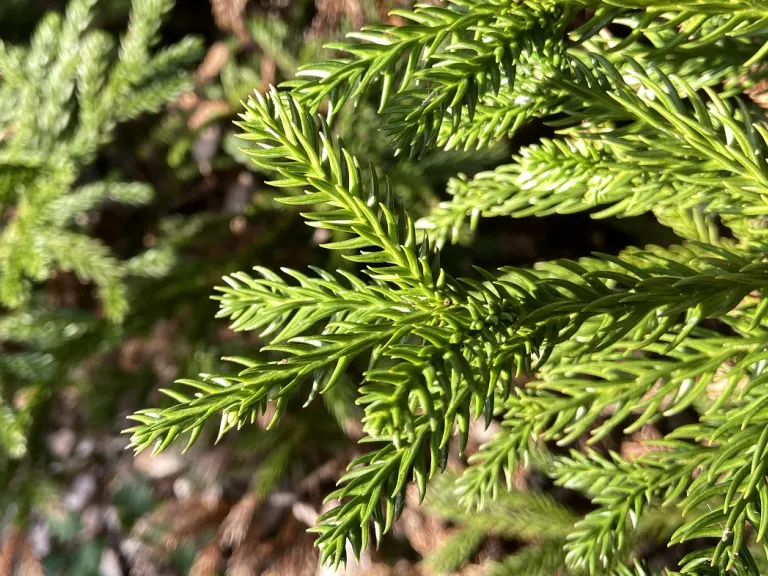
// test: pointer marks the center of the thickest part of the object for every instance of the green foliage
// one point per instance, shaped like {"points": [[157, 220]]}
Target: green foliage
{"points": [[532, 517], [527, 515], [51, 130], [541, 560], [647, 121], [61, 98]]}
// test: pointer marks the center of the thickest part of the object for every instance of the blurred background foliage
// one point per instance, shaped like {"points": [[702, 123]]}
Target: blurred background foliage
{"points": [[140, 176]]}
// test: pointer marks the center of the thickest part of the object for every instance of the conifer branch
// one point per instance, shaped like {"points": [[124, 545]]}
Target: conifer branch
{"points": [[449, 344], [648, 123], [705, 146], [52, 129]]}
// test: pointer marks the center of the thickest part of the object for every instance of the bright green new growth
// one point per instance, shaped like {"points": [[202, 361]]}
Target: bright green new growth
{"points": [[60, 100], [649, 121]]}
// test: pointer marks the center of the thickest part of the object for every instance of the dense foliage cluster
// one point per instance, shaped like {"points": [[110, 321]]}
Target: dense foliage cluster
{"points": [[575, 417], [646, 99]]}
